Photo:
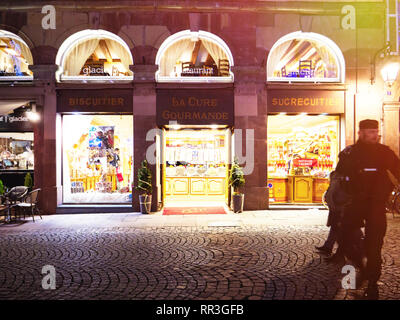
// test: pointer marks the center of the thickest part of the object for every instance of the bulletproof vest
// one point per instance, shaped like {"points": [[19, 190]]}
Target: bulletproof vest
{"points": [[369, 178]]}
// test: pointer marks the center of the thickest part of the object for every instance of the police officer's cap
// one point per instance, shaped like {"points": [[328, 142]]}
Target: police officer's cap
{"points": [[369, 124]]}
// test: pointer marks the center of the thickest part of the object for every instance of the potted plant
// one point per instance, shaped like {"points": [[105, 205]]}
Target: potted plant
{"points": [[2, 191], [28, 181], [236, 180], [145, 187]]}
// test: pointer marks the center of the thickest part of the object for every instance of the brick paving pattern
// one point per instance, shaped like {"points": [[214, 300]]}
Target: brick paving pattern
{"points": [[179, 263]]}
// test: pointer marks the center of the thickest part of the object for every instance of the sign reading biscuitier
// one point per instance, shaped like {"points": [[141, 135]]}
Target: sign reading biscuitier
{"points": [[195, 106], [95, 100], [310, 101]]}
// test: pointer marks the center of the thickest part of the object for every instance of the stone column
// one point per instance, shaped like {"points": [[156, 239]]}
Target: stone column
{"points": [[45, 137], [144, 120], [390, 130], [251, 119]]}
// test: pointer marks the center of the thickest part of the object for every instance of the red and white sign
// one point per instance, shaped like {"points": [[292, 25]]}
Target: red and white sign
{"points": [[305, 162]]}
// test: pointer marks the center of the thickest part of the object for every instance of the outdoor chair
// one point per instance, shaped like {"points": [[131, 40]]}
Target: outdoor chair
{"points": [[13, 197], [30, 204]]}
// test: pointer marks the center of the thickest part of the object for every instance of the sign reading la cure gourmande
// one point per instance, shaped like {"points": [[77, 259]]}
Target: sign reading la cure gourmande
{"points": [[195, 106]]}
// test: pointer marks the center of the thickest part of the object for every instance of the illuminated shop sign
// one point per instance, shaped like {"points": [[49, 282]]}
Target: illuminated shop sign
{"points": [[15, 123], [93, 70], [95, 101], [193, 107], [311, 101]]}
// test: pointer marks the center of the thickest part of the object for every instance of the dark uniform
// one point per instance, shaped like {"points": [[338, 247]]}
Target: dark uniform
{"points": [[369, 186], [337, 198]]}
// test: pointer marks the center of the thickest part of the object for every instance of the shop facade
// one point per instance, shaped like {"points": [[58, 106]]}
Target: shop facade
{"points": [[282, 90], [196, 142], [305, 134], [96, 138], [305, 122]]}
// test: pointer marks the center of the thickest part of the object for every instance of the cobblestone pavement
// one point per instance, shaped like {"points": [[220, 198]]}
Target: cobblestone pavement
{"points": [[245, 261]]}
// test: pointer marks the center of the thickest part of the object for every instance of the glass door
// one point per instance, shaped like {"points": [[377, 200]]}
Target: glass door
{"points": [[196, 165]]}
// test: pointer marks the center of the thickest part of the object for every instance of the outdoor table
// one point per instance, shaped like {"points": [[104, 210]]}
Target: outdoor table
{"points": [[7, 205]]}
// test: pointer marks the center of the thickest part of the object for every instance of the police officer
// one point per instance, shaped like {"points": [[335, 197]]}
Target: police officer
{"points": [[365, 166]]}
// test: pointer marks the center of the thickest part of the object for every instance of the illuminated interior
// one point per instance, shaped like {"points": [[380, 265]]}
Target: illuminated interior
{"points": [[302, 151], [193, 56], [96, 55], [196, 165], [97, 158], [16, 151], [15, 56], [305, 57]]}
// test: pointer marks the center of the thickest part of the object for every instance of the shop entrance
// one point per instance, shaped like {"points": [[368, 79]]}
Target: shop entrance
{"points": [[302, 151], [195, 168]]}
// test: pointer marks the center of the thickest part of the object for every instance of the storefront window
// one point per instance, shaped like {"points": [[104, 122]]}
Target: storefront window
{"points": [[94, 54], [302, 151], [193, 57], [97, 158], [305, 57], [16, 151], [15, 57]]}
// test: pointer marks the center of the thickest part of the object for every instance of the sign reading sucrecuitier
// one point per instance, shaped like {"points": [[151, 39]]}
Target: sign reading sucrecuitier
{"points": [[195, 106], [96, 100], [310, 101]]}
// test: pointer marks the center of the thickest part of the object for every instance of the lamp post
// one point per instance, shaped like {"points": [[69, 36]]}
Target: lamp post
{"points": [[389, 68], [389, 74]]}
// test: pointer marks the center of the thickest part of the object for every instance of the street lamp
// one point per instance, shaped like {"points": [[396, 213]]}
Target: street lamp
{"points": [[32, 114], [389, 72]]}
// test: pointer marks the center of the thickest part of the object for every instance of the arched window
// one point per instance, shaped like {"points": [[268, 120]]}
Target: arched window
{"points": [[305, 57], [94, 55], [194, 57], [15, 57]]}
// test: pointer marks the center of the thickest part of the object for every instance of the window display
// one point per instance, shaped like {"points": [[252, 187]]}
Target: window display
{"points": [[16, 151], [302, 59], [97, 158], [15, 57], [98, 57], [200, 58], [302, 151]]}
